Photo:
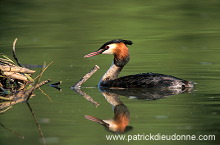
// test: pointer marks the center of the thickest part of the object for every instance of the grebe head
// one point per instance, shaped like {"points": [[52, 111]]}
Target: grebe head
{"points": [[118, 124], [118, 48], [120, 121]]}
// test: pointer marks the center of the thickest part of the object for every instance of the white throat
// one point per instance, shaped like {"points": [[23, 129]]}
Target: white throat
{"points": [[111, 74]]}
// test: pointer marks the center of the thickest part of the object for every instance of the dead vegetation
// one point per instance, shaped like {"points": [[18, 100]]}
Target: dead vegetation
{"points": [[16, 82]]}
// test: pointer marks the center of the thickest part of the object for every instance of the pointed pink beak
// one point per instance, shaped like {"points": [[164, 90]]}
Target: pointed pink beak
{"points": [[94, 53], [96, 120]]}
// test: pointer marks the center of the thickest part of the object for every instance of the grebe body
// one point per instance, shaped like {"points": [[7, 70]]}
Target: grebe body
{"points": [[119, 49]]}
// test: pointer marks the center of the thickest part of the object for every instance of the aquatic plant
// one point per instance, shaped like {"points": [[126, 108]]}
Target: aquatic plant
{"points": [[16, 82]]}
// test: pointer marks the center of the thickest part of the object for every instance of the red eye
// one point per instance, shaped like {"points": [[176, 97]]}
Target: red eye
{"points": [[107, 47]]}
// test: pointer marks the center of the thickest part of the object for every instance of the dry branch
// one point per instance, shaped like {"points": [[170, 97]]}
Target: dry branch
{"points": [[85, 78], [37, 124], [77, 86], [16, 76], [87, 97], [11, 131], [8, 68]]}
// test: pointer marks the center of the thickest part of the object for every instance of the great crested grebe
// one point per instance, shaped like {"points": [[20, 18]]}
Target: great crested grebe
{"points": [[119, 49]]}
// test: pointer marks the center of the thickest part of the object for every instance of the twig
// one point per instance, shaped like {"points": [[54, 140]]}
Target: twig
{"points": [[43, 70], [85, 78], [29, 92], [14, 54], [42, 91], [38, 125], [20, 96], [9, 68], [76, 87], [87, 97], [4, 98], [13, 132], [3, 111]]}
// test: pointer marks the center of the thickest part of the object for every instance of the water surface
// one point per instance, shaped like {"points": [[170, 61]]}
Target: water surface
{"points": [[175, 38]]}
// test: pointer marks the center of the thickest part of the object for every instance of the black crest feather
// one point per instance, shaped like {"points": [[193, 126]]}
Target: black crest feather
{"points": [[127, 42]]}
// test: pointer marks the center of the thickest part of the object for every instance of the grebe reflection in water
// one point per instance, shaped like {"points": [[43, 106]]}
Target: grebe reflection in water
{"points": [[119, 123]]}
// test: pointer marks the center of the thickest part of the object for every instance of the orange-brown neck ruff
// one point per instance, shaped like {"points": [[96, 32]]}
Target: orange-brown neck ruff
{"points": [[121, 55]]}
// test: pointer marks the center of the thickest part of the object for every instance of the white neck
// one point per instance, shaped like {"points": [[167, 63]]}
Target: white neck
{"points": [[111, 74]]}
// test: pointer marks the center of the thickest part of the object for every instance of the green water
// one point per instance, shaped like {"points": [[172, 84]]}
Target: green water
{"points": [[179, 38]]}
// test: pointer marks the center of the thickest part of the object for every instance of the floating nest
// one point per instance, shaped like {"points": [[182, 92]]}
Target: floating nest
{"points": [[16, 82]]}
